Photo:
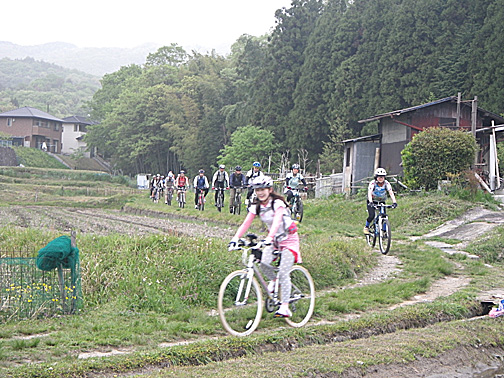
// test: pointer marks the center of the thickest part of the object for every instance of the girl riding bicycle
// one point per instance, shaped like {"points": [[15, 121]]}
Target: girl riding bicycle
{"points": [[282, 235], [377, 193]]}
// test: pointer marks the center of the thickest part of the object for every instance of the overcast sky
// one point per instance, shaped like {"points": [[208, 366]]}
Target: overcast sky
{"points": [[113, 23]]}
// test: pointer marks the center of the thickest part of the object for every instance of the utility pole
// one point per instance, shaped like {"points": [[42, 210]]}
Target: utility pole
{"points": [[474, 113], [458, 110]]}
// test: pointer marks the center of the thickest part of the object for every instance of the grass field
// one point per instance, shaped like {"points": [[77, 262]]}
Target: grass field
{"points": [[141, 292]]}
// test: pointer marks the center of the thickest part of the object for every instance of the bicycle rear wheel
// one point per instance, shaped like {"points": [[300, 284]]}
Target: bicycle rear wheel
{"points": [[385, 237], [240, 304], [302, 302]]}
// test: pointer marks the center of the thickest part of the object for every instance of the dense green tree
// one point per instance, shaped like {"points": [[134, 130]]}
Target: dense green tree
{"points": [[487, 60], [173, 55], [249, 144], [274, 86], [112, 86]]}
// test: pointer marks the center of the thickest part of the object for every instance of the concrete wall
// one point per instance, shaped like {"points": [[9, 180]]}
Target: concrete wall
{"points": [[8, 157]]}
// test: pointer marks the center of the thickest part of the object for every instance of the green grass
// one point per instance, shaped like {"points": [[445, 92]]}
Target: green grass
{"points": [[33, 157], [140, 291], [490, 247]]}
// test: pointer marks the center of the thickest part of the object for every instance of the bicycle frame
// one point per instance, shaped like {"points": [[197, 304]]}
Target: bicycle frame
{"points": [[181, 193], [380, 228], [381, 214], [240, 300], [251, 261], [220, 198]]}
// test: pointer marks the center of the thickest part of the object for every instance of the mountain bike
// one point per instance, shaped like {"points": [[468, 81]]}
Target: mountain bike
{"points": [[169, 196], [296, 205], [240, 302], [380, 228], [181, 196], [201, 199], [219, 202], [236, 204]]}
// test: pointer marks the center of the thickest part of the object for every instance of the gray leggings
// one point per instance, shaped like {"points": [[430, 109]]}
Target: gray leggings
{"points": [[286, 264]]}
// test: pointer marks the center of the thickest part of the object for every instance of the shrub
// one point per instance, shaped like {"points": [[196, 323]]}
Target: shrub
{"points": [[436, 153]]}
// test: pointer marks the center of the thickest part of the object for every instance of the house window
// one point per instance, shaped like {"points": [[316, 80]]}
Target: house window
{"points": [[10, 121], [5, 143], [447, 122], [347, 163], [56, 126], [76, 128]]}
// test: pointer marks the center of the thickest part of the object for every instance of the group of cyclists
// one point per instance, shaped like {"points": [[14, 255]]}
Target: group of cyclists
{"points": [[168, 185], [273, 210]]}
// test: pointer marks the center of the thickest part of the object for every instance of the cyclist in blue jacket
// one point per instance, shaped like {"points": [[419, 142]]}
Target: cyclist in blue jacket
{"points": [[377, 193], [200, 182]]}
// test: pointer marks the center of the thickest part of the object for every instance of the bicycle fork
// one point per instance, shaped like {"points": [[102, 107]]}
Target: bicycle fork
{"points": [[246, 278]]}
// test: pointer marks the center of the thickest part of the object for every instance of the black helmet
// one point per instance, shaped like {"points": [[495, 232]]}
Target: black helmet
{"points": [[238, 168], [295, 166]]}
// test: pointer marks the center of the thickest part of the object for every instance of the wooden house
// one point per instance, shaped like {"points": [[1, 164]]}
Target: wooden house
{"points": [[396, 128]]}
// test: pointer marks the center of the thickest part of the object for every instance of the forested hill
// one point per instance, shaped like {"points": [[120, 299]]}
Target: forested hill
{"points": [[92, 60], [301, 90], [59, 91]]}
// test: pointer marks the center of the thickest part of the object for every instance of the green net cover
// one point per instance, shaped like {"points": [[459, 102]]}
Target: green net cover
{"points": [[56, 252]]}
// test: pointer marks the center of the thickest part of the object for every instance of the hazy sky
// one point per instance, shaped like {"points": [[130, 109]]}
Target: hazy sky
{"points": [[114, 23]]}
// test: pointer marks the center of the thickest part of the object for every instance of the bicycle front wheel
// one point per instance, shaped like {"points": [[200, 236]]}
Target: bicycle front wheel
{"points": [[240, 303], [237, 207], [385, 236], [299, 211], [302, 302], [371, 236]]}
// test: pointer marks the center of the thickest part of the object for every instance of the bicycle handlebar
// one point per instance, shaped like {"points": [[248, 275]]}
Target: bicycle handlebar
{"points": [[378, 205]]}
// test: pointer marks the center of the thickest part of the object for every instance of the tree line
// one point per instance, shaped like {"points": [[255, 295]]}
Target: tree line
{"points": [[297, 92]]}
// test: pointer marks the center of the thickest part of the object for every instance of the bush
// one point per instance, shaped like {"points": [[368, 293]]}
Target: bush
{"points": [[436, 153]]}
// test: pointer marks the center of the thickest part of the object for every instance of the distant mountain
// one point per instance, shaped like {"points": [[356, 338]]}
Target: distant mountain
{"points": [[59, 91], [92, 60]]}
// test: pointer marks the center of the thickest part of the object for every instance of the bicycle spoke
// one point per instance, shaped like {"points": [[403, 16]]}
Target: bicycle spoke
{"points": [[240, 304], [302, 297]]}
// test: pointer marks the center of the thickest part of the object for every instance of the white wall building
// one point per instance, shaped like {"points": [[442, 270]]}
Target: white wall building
{"points": [[74, 129]]}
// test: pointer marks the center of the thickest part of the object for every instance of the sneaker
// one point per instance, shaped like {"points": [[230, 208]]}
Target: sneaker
{"points": [[196, 206], [366, 231], [166, 202], [283, 313], [271, 286]]}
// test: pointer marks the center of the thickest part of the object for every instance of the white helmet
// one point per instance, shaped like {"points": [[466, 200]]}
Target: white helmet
{"points": [[262, 182], [380, 172]]}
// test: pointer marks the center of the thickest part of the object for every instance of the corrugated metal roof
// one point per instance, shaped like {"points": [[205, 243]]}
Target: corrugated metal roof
{"points": [[397, 113], [370, 137], [406, 110], [28, 112]]}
